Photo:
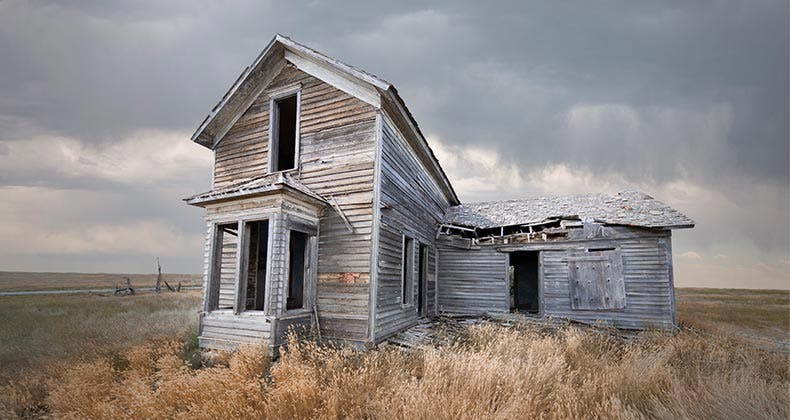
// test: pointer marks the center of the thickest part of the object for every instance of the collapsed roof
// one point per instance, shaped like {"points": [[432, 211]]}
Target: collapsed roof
{"points": [[628, 208]]}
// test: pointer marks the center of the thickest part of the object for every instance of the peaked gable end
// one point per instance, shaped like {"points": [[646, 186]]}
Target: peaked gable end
{"points": [[256, 78], [363, 86], [243, 153]]}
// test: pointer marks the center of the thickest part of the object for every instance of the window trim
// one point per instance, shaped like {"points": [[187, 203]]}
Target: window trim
{"points": [[240, 272], [309, 283], [274, 96], [423, 255], [266, 287]]}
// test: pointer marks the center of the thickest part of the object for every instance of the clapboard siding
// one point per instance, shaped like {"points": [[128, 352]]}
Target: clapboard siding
{"points": [[431, 279], [648, 288], [472, 281], [411, 203], [475, 280], [227, 271], [337, 161], [225, 326], [276, 269], [343, 310], [244, 151]]}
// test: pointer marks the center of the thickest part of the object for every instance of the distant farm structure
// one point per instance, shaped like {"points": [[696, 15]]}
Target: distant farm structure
{"points": [[329, 210]]}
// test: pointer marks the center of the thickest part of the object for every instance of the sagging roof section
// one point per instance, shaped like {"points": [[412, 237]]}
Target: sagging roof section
{"points": [[253, 187], [359, 83], [628, 208]]}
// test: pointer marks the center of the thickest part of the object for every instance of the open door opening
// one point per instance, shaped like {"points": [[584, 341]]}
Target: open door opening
{"points": [[524, 278]]}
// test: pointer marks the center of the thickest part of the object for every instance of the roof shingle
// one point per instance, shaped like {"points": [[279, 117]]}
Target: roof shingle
{"points": [[629, 208]]}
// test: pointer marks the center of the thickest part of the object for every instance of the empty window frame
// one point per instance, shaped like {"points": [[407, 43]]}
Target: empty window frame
{"points": [[298, 269], [221, 291], [284, 132], [255, 290], [407, 271], [422, 279]]}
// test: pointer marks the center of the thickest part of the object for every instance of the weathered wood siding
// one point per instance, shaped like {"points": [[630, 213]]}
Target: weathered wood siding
{"points": [[227, 276], [223, 329], [337, 155], [411, 203], [343, 309], [243, 152], [476, 281], [431, 285], [472, 281], [649, 297]]}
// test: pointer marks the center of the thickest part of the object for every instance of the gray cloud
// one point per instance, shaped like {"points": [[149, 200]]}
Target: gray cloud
{"points": [[624, 94]]}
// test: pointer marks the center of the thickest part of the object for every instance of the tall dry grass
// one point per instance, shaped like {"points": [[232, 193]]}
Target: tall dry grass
{"points": [[490, 372]]}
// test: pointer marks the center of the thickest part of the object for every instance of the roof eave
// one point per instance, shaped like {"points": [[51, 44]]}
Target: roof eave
{"points": [[304, 49], [200, 137], [236, 195], [206, 141], [395, 98], [673, 227]]}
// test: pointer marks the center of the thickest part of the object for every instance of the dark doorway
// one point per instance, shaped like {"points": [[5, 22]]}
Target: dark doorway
{"points": [[296, 274], [256, 271], [524, 278], [421, 277]]}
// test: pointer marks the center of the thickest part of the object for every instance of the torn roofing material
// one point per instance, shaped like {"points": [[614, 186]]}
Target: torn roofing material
{"points": [[628, 208], [255, 186]]}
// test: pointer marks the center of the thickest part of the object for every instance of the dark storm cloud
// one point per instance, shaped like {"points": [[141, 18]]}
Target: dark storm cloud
{"points": [[650, 92], [98, 71]]}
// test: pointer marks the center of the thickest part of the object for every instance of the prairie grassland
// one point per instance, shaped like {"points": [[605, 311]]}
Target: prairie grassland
{"points": [[11, 281], [45, 329], [757, 313], [490, 371]]}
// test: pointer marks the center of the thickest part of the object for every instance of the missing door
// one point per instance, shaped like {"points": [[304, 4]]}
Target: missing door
{"points": [[524, 281]]}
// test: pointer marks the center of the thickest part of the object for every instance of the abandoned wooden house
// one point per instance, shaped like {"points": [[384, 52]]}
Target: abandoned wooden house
{"points": [[329, 210]]}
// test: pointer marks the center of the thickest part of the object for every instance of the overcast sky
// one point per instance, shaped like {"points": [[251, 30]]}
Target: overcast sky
{"points": [[687, 101]]}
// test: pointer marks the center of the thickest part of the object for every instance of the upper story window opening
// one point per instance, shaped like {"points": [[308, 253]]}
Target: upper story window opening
{"points": [[284, 132]]}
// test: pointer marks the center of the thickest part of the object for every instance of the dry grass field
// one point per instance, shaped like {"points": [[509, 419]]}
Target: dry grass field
{"points": [[126, 358], [12, 281], [43, 330], [761, 314]]}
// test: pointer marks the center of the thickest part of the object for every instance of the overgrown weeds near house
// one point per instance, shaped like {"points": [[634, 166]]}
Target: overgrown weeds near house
{"points": [[492, 371]]}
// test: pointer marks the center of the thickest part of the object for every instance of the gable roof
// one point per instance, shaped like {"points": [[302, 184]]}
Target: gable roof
{"points": [[358, 83], [629, 208]]}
